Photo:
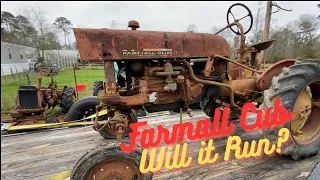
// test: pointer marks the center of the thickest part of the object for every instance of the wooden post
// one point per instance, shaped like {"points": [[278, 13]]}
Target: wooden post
{"points": [[265, 33], [75, 81], [14, 80], [17, 72], [4, 77]]}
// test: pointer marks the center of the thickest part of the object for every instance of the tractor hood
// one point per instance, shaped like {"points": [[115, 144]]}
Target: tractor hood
{"points": [[110, 44]]}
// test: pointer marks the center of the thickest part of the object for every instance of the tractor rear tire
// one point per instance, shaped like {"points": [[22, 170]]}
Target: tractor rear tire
{"points": [[97, 87], [67, 99], [116, 163], [79, 108], [287, 86]]}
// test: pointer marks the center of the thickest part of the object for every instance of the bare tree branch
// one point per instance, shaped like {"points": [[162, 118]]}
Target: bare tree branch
{"points": [[192, 28], [279, 8]]}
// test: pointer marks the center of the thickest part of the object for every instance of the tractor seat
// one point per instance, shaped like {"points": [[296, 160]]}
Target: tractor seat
{"points": [[260, 46]]}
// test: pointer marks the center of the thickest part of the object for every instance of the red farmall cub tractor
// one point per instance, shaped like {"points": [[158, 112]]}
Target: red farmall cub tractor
{"points": [[168, 72], [33, 101]]}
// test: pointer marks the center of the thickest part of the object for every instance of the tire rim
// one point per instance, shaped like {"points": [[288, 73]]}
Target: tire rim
{"points": [[115, 169], [305, 125], [88, 112]]}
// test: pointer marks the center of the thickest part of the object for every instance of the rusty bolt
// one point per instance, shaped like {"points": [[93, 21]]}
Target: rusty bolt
{"points": [[98, 108], [190, 113], [120, 128], [133, 24], [180, 79]]}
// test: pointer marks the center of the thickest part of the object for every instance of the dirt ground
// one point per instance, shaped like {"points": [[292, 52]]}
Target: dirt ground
{"points": [[44, 154]]}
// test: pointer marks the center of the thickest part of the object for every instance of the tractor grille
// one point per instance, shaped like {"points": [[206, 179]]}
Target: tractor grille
{"points": [[28, 97]]}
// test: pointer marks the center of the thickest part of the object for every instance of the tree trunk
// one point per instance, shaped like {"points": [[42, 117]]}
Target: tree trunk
{"points": [[261, 55], [65, 39]]}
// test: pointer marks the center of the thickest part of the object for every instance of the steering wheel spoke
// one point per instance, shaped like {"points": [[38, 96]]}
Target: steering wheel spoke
{"points": [[232, 16], [243, 17]]}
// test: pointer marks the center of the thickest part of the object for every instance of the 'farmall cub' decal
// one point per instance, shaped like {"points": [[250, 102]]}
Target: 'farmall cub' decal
{"points": [[148, 52]]}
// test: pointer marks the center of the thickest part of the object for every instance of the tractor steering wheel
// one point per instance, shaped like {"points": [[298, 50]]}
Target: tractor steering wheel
{"points": [[237, 20]]}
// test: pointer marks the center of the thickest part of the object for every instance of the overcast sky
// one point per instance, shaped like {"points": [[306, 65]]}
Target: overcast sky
{"points": [[157, 16]]}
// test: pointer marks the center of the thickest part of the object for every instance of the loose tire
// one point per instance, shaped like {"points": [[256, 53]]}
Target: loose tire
{"points": [[109, 161], [67, 99], [82, 108], [287, 86], [97, 87]]}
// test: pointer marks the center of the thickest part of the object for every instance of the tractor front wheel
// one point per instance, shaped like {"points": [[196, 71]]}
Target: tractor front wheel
{"points": [[110, 162], [298, 88]]}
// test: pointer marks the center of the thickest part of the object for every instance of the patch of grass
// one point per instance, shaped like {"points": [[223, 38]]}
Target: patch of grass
{"points": [[267, 65], [10, 84]]}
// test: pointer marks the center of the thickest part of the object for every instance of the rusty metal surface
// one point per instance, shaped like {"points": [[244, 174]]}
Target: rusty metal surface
{"points": [[243, 85], [301, 112], [193, 90], [275, 69], [232, 103], [262, 45], [235, 71], [110, 84], [152, 70], [133, 24], [99, 44]]}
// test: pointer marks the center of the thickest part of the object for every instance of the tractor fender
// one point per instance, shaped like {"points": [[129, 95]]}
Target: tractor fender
{"points": [[264, 81]]}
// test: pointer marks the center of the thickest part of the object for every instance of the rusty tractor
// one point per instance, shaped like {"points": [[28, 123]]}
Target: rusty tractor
{"points": [[32, 102], [175, 69]]}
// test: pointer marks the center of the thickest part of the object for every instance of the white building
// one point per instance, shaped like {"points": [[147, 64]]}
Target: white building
{"points": [[20, 58], [16, 57]]}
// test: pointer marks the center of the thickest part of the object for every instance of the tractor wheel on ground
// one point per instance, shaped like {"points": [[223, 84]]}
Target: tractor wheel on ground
{"points": [[298, 87], [83, 108], [68, 97], [97, 87], [108, 133], [110, 162]]}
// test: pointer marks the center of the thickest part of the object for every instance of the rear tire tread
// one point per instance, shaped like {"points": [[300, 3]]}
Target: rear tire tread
{"points": [[67, 99], [97, 87], [288, 93]]}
